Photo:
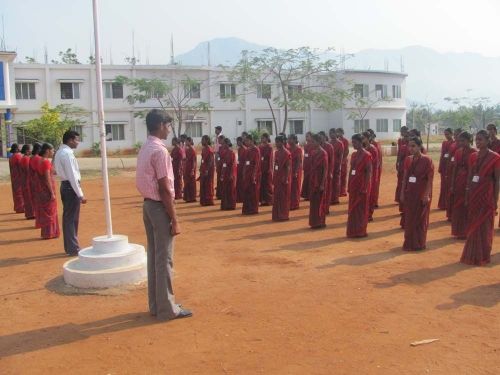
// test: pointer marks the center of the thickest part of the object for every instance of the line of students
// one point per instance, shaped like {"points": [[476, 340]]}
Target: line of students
{"points": [[33, 186]]}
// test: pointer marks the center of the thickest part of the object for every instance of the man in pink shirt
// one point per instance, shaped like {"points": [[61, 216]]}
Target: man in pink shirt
{"points": [[155, 182]]}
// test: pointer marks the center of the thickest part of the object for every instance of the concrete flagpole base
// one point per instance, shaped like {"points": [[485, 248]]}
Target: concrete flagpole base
{"points": [[111, 261]]}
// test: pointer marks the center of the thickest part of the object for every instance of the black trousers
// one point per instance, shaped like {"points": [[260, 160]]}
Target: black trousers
{"points": [[71, 215]]}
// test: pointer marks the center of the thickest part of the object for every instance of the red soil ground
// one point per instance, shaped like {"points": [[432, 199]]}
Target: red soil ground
{"points": [[267, 298]]}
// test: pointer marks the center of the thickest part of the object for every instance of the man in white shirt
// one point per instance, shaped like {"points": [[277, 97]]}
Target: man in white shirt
{"points": [[71, 192]]}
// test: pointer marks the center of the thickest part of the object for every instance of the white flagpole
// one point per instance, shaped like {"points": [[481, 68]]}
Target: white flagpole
{"points": [[102, 127]]}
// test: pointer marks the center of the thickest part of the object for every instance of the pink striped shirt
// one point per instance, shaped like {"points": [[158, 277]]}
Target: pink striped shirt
{"points": [[154, 163]]}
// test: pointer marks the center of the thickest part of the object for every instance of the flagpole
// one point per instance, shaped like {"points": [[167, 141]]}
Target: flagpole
{"points": [[100, 115]]}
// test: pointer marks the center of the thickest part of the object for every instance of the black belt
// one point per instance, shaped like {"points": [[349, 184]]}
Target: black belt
{"points": [[151, 200]]}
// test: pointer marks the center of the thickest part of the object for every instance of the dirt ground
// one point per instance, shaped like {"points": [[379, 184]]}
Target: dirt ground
{"points": [[267, 297]]}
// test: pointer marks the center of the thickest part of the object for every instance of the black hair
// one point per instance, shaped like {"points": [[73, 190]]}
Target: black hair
{"points": [[249, 136], [155, 118], [316, 138], [239, 139], [294, 137], [69, 135], [175, 140], [366, 134], [189, 139], [25, 149], [221, 137], [266, 136], [357, 137], [227, 141], [45, 147], [218, 127], [415, 132], [322, 133], [207, 139], [449, 130], [14, 148], [243, 134], [183, 137], [280, 139], [340, 130], [417, 141], [483, 133], [466, 136], [403, 128], [458, 130], [36, 148], [309, 133], [493, 126]]}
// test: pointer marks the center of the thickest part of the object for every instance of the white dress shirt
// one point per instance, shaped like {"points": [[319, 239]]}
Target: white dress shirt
{"points": [[67, 168]]}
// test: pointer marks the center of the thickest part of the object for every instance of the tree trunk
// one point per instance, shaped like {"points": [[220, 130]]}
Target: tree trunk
{"points": [[274, 117]]}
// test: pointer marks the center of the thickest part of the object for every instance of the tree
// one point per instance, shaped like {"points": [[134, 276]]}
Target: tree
{"points": [[51, 126], [91, 59], [178, 97], [476, 109], [364, 102], [67, 57], [132, 60], [30, 60], [300, 79]]}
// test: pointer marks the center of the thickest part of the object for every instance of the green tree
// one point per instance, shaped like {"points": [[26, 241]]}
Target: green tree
{"points": [[51, 126], [477, 110], [292, 80], [30, 60], [180, 97], [364, 103], [67, 57]]}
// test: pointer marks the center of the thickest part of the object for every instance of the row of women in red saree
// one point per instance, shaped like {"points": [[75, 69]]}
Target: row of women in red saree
{"points": [[33, 186], [469, 192]]}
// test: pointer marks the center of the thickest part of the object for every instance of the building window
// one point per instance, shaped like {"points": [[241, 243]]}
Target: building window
{"points": [[79, 130], [25, 90], [296, 126], [382, 125], [70, 90], [265, 126], [396, 91], [396, 125], [361, 91], [113, 90], [294, 90], [361, 125], [115, 132], [192, 90], [264, 91], [381, 91], [227, 90], [194, 129]]}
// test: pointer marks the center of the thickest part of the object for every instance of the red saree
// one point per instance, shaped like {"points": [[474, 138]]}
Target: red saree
{"points": [[419, 171], [376, 187], [178, 157], [338, 152], [317, 196], [402, 154], [374, 180], [481, 209], [239, 179], [24, 168], [35, 185], [443, 160], [218, 171], [359, 188], [49, 222], [228, 179], [307, 171], [16, 182], [251, 181], [343, 168], [449, 170], [296, 177], [207, 169], [281, 182], [266, 167], [189, 171], [459, 212], [329, 179]]}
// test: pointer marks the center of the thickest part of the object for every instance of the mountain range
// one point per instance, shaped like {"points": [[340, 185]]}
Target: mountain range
{"points": [[432, 75]]}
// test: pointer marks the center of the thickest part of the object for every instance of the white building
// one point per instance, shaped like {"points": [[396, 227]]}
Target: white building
{"points": [[36, 84]]}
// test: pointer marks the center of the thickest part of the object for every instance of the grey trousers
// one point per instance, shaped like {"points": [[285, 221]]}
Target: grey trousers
{"points": [[71, 215], [160, 250]]}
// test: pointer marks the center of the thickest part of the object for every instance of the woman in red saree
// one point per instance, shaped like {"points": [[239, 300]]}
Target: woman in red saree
{"points": [[218, 165], [228, 176], [318, 182], [266, 168], [482, 202], [24, 169], [251, 177], [359, 187], [449, 172], [35, 179], [282, 177], [494, 143], [49, 222], [416, 195], [207, 169], [345, 157], [338, 154], [443, 160], [459, 183], [241, 163], [296, 151], [331, 163], [178, 158], [400, 158], [189, 171], [16, 178], [366, 136], [378, 146], [308, 148]]}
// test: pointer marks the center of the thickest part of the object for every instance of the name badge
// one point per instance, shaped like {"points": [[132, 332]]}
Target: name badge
{"points": [[262, 158], [412, 179], [275, 167], [224, 165], [218, 158], [238, 162], [353, 172], [306, 155], [247, 162], [202, 160], [452, 158], [446, 155], [475, 178]]}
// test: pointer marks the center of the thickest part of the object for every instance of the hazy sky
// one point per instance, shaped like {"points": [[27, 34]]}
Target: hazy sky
{"points": [[444, 25]]}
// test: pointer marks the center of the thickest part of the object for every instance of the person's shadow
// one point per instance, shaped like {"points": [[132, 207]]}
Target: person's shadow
{"points": [[37, 339], [483, 295]]}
